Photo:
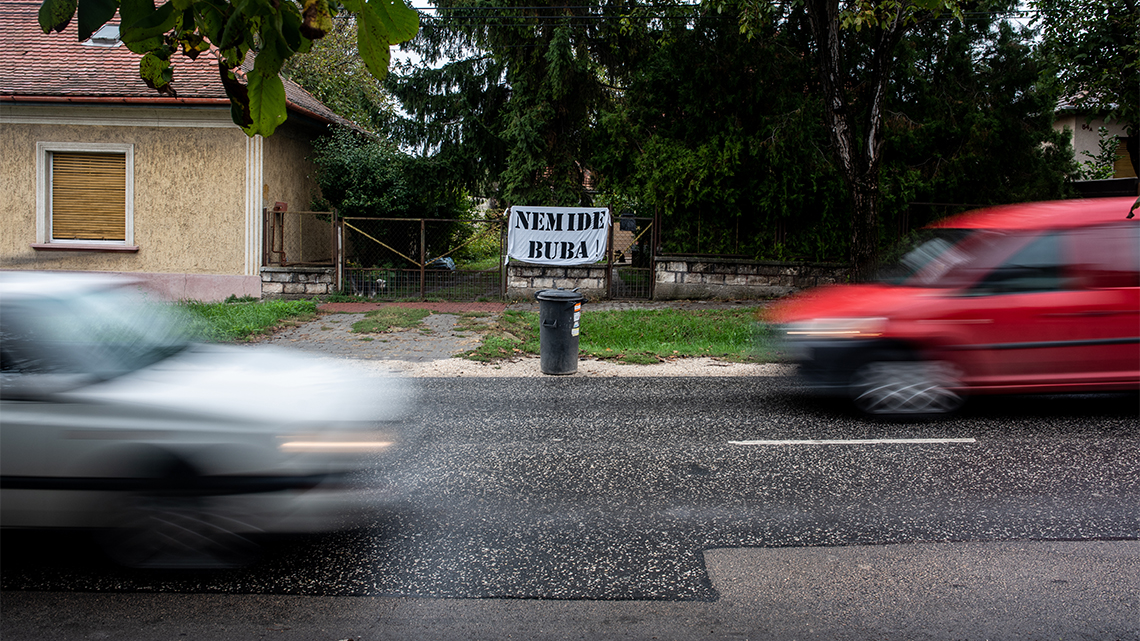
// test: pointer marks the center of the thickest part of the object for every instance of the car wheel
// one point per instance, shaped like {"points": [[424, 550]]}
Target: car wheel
{"points": [[906, 388], [172, 526]]}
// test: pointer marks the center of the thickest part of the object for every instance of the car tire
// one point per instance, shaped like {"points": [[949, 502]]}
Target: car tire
{"points": [[172, 526], [906, 387]]}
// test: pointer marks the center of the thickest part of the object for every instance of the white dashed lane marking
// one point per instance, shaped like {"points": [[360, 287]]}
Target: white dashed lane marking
{"points": [[865, 441]]}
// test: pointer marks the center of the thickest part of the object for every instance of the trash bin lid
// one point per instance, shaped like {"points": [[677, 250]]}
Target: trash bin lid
{"points": [[563, 295]]}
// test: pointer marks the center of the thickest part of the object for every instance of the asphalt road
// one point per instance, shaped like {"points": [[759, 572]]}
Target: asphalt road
{"points": [[666, 508]]}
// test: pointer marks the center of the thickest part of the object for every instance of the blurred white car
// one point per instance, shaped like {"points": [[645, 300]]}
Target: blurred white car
{"points": [[176, 452]]}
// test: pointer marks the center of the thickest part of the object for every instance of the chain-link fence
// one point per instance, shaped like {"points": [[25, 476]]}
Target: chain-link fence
{"points": [[401, 258], [632, 242]]}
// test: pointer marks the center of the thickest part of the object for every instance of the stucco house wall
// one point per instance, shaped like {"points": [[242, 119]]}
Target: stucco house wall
{"points": [[189, 198], [1084, 134], [290, 177], [196, 184]]}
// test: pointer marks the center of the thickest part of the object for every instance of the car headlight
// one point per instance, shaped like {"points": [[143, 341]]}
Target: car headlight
{"points": [[836, 328], [335, 443]]}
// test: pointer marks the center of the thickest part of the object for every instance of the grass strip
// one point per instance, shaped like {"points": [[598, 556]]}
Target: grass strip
{"points": [[633, 336], [241, 320], [655, 335], [387, 318], [512, 334]]}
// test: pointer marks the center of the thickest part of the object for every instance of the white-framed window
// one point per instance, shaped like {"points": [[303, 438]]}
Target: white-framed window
{"points": [[85, 195]]}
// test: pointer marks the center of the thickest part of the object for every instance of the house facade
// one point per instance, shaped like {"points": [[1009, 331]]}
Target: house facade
{"points": [[1084, 134], [101, 173]]}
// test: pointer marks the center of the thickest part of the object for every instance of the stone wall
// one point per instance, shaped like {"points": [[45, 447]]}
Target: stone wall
{"points": [[524, 280], [679, 278], [682, 278], [296, 282]]}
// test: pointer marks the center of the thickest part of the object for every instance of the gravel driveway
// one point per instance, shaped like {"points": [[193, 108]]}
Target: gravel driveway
{"points": [[429, 350]]}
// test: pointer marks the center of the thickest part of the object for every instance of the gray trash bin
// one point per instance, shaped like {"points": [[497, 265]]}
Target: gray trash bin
{"points": [[559, 312]]}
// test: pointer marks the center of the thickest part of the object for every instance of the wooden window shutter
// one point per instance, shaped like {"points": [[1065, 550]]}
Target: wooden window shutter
{"points": [[88, 196]]}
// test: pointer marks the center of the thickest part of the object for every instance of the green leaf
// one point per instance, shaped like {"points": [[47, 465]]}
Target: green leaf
{"points": [[94, 14], [156, 72], [140, 25], [193, 44], [233, 57], [372, 44], [270, 58], [383, 23], [266, 103], [210, 19], [400, 21], [235, 32], [290, 28], [55, 15], [930, 5], [239, 97], [317, 19]]}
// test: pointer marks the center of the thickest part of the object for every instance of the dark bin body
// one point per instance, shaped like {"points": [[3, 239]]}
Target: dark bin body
{"points": [[559, 312]]}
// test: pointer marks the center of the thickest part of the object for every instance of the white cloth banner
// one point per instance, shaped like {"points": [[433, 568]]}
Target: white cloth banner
{"points": [[558, 235]]}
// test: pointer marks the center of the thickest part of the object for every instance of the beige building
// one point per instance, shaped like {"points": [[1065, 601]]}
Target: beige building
{"points": [[101, 173], [1084, 134]]}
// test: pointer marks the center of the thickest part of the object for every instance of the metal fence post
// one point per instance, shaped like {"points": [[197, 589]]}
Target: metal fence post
{"points": [[423, 258], [338, 251], [504, 268], [610, 257]]}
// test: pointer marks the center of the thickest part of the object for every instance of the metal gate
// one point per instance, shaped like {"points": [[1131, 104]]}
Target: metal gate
{"points": [[414, 258], [631, 272]]}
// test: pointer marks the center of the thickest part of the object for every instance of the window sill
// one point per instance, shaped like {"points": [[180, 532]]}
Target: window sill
{"points": [[85, 247]]}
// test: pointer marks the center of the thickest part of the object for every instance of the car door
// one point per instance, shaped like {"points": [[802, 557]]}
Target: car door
{"points": [[23, 387], [1105, 266], [44, 423], [1010, 331], [1035, 324]]}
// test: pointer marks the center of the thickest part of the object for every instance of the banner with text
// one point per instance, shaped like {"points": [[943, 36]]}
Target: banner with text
{"points": [[558, 235]]}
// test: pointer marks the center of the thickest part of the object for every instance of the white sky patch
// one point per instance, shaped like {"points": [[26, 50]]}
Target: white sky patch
{"points": [[866, 441]]}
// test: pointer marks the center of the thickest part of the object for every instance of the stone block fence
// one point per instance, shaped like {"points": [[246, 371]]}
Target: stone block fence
{"points": [[683, 278], [675, 278], [680, 278], [524, 280], [297, 282]]}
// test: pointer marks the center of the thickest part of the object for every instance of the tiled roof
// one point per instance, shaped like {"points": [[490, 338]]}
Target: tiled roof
{"points": [[59, 67]]}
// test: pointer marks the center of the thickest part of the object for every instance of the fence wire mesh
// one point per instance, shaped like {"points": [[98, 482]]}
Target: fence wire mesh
{"points": [[632, 249], [396, 258]]}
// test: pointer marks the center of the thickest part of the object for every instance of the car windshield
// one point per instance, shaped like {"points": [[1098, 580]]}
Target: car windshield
{"points": [[106, 333], [920, 260]]}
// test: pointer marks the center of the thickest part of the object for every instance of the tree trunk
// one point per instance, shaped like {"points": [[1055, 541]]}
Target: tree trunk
{"points": [[859, 159], [865, 228]]}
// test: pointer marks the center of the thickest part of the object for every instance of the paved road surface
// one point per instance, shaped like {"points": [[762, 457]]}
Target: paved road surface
{"points": [[569, 508]]}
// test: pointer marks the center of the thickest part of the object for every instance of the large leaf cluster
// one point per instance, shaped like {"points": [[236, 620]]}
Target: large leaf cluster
{"points": [[510, 91], [971, 121], [335, 74], [716, 133], [1092, 48], [361, 176], [726, 133], [272, 30]]}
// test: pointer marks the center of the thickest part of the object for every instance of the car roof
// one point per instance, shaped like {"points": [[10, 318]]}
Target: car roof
{"points": [[1057, 214], [32, 285]]}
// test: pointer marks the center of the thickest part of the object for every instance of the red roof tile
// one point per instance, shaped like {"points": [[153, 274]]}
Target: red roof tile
{"points": [[57, 66]]}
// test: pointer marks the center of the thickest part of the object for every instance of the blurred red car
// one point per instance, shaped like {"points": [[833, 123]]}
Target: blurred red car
{"points": [[1036, 297]]}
